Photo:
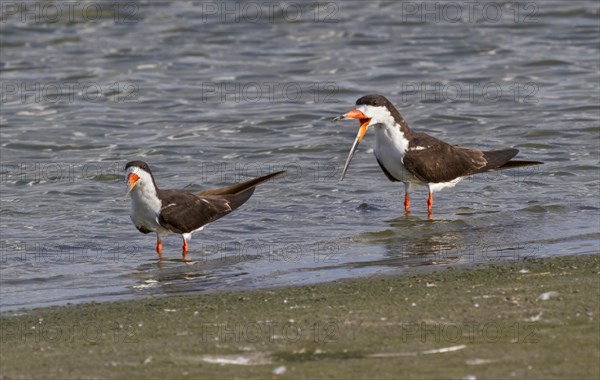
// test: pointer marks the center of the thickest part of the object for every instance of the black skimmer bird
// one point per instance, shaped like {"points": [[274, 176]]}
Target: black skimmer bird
{"points": [[179, 212], [416, 158]]}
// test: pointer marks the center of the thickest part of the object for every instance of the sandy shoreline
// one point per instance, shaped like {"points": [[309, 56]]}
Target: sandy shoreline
{"points": [[533, 319]]}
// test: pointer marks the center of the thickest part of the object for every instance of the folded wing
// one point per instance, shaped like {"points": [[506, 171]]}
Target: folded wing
{"points": [[433, 161], [186, 212]]}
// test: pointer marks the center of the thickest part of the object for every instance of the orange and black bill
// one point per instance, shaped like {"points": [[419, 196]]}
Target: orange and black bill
{"points": [[364, 123], [132, 178]]}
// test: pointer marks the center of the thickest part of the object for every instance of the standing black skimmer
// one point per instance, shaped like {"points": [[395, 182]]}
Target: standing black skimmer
{"points": [[416, 158], [175, 211]]}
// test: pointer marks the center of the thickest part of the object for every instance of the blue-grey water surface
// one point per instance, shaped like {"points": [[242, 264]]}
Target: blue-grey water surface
{"points": [[212, 93]]}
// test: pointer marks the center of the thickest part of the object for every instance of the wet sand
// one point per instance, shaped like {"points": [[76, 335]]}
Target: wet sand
{"points": [[532, 319]]}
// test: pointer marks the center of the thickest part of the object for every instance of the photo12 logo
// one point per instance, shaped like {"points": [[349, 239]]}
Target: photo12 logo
{"points": [[469, 12], [327, 252], [490, 92], [268, 11], [471, 331], [41, 253], [55, 92], [270, 331], [44, 172], [253, 92], [295, 171], [68, 11], [50, 332]]}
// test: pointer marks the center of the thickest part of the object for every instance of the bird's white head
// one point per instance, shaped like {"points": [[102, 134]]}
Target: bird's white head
{"points": [[139, 177], [370, 110]]}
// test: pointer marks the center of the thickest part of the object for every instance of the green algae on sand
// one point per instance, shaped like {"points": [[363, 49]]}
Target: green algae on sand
{"points": [[532, 319]]}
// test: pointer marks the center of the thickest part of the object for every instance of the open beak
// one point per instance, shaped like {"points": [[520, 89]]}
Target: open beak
{"points": [[132, 178], [364, 123]]}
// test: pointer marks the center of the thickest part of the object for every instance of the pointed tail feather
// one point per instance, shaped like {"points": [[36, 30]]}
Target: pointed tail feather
{"points": [[519, 163], [234, 195], [501, 159], [240, 187], [497, 158]]}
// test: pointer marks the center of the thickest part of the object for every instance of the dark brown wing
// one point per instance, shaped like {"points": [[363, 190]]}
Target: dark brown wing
{"points": [[185, 212], [433, 161]]}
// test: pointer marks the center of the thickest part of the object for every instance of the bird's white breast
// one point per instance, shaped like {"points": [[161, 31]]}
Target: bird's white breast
{"points": [[390, 147], [145, 208]]}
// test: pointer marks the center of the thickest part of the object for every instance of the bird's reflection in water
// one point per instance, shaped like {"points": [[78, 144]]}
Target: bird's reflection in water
{"points": [[201, 271], [414, 241]]}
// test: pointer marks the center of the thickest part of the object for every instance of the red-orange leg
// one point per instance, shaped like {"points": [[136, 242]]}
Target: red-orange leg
{"points": [[159, 247], [430, 205], [406, 204], [184, 249]]}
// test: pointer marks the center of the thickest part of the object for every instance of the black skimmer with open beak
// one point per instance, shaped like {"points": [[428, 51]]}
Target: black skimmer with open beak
{"points": [[417, 158], [179, 212]]}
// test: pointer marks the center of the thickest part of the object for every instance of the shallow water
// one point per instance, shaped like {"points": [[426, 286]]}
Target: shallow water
{"points": [[210, 96]]}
